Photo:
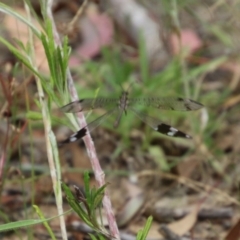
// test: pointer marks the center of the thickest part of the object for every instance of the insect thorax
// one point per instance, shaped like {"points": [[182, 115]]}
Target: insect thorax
{"points": [[123, 101]]}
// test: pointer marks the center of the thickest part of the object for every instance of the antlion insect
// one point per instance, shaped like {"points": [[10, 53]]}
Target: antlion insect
{"points": [[118, 106]]}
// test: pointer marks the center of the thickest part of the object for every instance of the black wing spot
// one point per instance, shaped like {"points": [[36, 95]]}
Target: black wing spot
{"points": [[181, 134], [163, 128], [180, 99], [170, 131], [74, 137], [78, 135]]}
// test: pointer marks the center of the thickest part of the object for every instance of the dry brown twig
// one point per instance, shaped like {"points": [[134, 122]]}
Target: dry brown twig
{"points": [[197, 186]]}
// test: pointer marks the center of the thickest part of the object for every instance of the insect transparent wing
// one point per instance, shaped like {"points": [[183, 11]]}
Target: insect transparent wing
{"points": [[90, 104], [168, 103], [91, 126], [159, 126], [118, 119]]}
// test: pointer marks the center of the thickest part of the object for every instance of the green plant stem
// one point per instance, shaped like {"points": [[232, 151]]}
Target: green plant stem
{"points": [[98, 172], [54, 164]]}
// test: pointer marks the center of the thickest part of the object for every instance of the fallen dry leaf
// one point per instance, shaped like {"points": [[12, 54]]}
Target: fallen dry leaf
{"points": [[185, 224], [132, 206], [234, 233], [132, 189], [232, 101], [186, 168]]}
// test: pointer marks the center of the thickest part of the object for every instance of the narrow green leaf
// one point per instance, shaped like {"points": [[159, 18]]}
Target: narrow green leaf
{"points": [[99, 194], [20, 45], [50, 35], [61, 74], [147, 227], [45, 223], [76, 205], [139, 235], [19, 224], [67, 191], [101, 189], [34, 14], [79, 209], [48, 55], [31, 115], [98, 237], [93, 237], [143, 59], [86, 186], [207, 67], [220, 33], [101, 237], [43, 8], [49, 101]]}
